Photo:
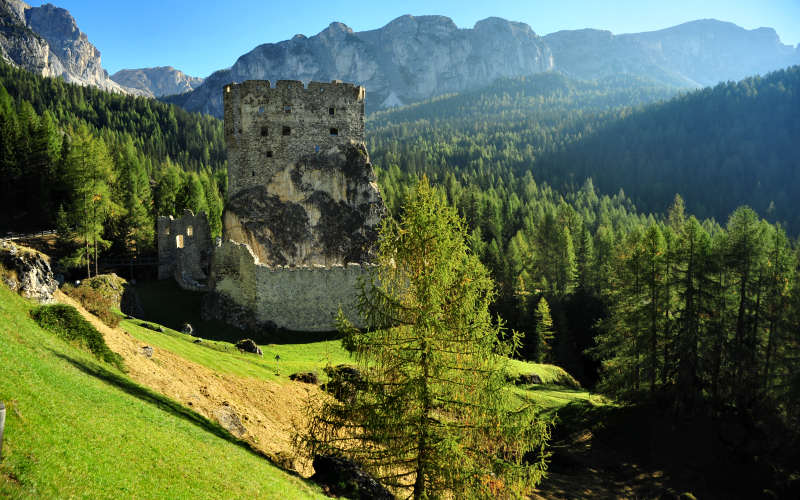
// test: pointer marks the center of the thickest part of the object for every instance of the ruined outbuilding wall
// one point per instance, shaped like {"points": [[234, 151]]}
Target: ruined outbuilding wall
{"points": [[250, 295], [184, 249], [268, 127]]}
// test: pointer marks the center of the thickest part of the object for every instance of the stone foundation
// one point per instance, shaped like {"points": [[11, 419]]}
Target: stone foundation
{"points": [[250, 295]]}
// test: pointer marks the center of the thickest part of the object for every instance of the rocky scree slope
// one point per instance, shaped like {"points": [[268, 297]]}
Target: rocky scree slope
{"points": [[46, 40], [414, 58]]}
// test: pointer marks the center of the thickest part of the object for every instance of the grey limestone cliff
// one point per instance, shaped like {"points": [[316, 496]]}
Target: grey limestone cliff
{"points": [[46, 40], [157, 82], [409, 59], [414, 58], [697, 53]]}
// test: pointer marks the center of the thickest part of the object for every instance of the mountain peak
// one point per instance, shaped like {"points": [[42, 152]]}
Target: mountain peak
{"points": [[158, 81]]}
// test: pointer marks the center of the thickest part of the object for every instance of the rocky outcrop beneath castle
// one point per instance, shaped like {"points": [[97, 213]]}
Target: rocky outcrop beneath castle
{"points": [[27, 272], [253, 296], [322, 210]]}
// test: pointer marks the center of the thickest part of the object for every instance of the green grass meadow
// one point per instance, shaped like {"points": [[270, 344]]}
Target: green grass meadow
{"points": [[77, 427]]}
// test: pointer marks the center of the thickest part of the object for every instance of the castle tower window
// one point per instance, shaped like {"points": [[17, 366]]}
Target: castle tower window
{"points": [[260, 109], [334, 131], [287, 109], [264, 131], [316, 149], [190, 231], [287, 131], [331, 111], [254, 173], [269, 154], [179, 241]]}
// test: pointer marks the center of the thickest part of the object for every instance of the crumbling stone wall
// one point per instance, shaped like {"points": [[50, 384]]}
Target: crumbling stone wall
{"points": [[250, 295], [184, 249], [267, 127]]}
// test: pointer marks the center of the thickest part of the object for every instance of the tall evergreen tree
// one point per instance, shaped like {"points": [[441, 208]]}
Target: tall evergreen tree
{"points": [[432, 416]]}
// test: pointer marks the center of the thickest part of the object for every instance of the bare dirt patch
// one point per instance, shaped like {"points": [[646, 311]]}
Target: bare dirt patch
{"points": [[261, 412]]}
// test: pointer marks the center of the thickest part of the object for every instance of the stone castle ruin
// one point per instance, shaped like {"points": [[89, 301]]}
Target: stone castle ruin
{"points": [[184, 249], [302, 213]]}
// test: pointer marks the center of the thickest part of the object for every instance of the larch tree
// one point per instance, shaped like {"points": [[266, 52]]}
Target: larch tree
{"points": [[433, 416]]}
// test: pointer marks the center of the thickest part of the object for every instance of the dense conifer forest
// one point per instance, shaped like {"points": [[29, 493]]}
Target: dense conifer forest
{"points": [[670, 304], [102, 166]]}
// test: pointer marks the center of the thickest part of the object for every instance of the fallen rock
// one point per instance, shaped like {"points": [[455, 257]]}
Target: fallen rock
{"points": [[228, 419], [247, 345], [187, 329], [27, 272], [147, 351], [305, 377], [345, 478]]}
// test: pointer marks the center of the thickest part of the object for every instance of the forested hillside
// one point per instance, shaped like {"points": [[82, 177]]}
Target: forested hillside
{"points": [[721, 147], [739, 138], [704, 314], [102, 165]]}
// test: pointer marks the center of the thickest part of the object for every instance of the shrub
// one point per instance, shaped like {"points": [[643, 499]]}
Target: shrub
{"points": [[67, 323], [96, 302]]}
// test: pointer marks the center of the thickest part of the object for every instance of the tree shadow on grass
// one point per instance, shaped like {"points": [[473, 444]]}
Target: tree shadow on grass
{"points": [[163, 403]]}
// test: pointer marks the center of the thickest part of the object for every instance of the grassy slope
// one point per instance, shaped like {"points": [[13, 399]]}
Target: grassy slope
{"points": [[75, 427], [162, 299]]}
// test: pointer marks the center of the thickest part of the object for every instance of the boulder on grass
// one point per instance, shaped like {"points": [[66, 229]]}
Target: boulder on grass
{"points": [[247, 345], [27, 272], [345, 478], [187, 329]]}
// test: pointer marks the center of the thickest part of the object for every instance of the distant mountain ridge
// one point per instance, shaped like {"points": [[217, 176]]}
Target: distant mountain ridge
{"points": [[46, 40], [414, 58], [157, 82]]}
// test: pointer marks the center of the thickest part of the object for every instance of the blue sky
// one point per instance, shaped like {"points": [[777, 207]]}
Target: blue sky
{"points": [[201, 36]]}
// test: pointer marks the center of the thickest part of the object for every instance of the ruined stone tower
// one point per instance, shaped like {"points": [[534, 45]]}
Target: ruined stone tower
{"points": [[301, 218]]}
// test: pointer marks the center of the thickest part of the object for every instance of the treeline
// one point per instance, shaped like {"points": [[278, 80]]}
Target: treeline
{"points": [[102, 185], [563, 263], [720, 147]]}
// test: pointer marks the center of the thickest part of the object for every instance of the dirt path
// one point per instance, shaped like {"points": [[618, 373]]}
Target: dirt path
{"points": [[261, 412]]}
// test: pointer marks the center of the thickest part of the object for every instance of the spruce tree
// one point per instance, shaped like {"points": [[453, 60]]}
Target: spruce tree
{"points": [[544, 331], [433, 416]]}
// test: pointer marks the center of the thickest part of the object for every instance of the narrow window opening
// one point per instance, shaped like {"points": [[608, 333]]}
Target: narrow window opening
{"points": [[331, 111], [166, 231], [179, 241], [287, 131], [260, 109], [269, 154], [254, 173], [264, 131], [287, 109], [334, 131], [190, 231], [316, 149]]}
